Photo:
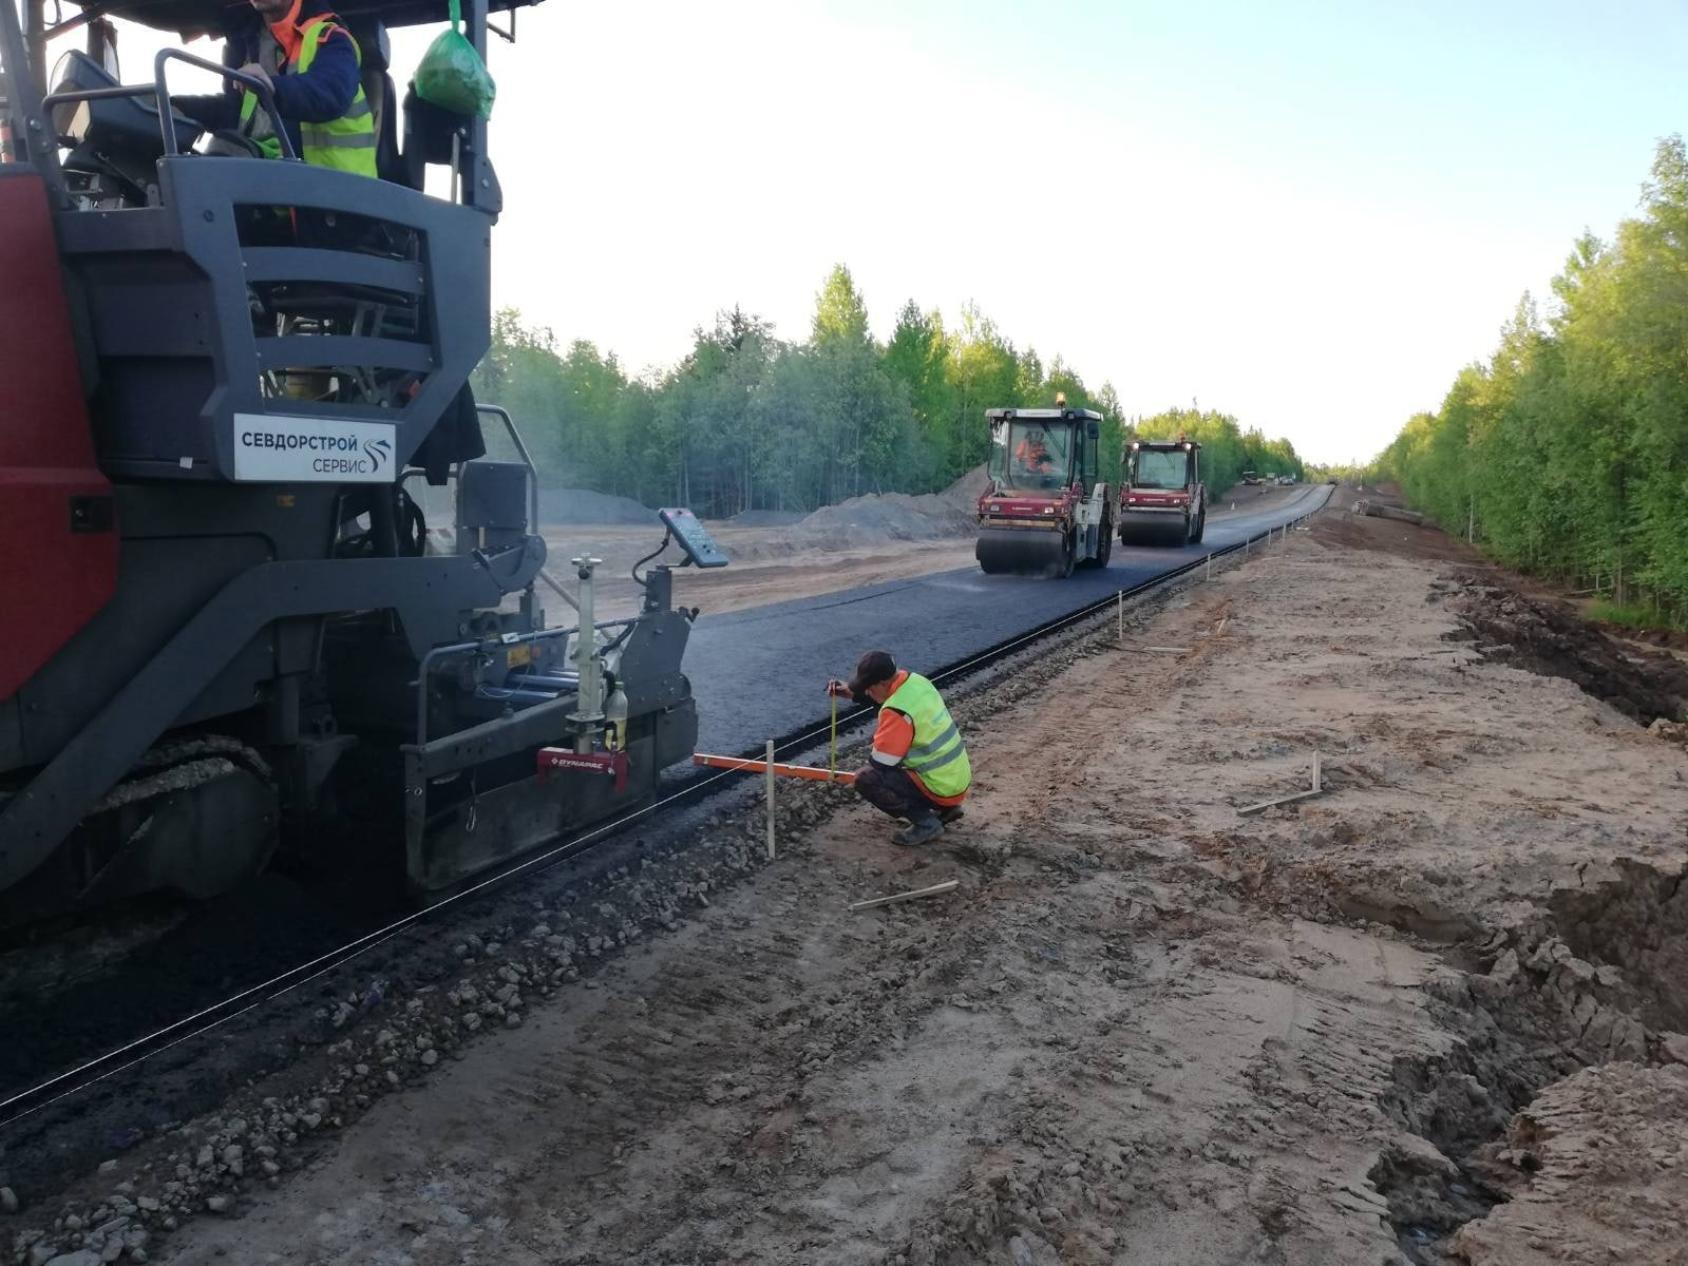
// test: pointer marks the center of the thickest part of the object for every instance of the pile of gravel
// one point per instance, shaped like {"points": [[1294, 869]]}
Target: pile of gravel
{"points": [[879, 518]]}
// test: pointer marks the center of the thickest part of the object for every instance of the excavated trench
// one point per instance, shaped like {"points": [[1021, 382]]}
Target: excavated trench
{"points": [[1636, 922], [1549, 638], [1598, 975]]}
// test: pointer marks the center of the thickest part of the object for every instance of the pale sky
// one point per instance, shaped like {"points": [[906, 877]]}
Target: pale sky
{"points": [[1308, 215]]}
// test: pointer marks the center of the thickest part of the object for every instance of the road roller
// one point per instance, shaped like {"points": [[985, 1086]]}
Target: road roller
{"points": [[1162, 500], [1046, 510]]}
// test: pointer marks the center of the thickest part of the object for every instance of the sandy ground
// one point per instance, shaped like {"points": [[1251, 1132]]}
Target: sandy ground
{"points": [[1146, 1028], [765, 570]]}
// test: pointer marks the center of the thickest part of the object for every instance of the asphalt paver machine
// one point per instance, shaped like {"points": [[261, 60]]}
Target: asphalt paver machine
{"points": [[1045, 510], [225, 626]]}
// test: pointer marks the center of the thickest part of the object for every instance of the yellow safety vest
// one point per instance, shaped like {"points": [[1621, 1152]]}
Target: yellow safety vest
{"points": [[937, 755], [344, 144]]}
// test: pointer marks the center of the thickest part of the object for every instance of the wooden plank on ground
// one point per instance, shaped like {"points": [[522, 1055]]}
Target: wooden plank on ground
{"points": [[949, 885]]}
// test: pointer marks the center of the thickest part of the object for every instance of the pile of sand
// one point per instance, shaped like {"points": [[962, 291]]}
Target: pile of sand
{"points": [[875, 519]]}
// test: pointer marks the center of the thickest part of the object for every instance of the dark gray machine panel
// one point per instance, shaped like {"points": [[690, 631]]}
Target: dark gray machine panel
{"points": [[693, 537], [169, 291]]}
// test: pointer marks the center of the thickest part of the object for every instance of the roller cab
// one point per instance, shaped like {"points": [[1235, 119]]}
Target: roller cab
{"points": [[1162, 499]]}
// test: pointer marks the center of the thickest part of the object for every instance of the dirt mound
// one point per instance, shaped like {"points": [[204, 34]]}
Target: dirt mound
{"points": [[765, 518], [964, 492], [892, 516], [877, 519], [582, 505], [898, 516]]}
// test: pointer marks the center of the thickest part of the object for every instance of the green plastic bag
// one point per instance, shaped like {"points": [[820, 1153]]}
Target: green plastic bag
{"points": [[452, 74]]}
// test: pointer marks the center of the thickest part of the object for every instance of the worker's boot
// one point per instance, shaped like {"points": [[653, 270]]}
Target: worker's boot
{"points": [[951, 814], [922, 830]]}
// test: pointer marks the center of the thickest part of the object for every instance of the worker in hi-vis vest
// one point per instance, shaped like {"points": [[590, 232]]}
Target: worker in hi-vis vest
{"points": [[312, 66], [919, 768]]}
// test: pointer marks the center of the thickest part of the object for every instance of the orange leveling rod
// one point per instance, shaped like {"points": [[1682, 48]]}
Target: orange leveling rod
{"points": [[783, 771]]}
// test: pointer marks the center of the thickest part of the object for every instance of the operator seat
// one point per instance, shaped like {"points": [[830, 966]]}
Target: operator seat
{"points": [[376, 51], [428, 130]]}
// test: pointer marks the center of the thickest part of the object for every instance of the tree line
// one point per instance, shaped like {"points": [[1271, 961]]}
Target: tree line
{"points": [[1228, 451], [751, 421], [1566, 453]]}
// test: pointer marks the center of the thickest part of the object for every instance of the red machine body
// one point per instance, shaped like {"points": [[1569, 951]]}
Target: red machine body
{"points": [[58, 539], [1045, 511], [1162, 500], [1059, 505]]}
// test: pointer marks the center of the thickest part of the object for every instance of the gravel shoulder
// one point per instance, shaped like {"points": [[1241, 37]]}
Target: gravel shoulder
{"points": [[1432, 1015]]}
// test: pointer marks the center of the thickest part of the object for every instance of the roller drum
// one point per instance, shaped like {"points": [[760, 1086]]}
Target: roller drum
{"points": [[1006, 551], [1153, 529]]}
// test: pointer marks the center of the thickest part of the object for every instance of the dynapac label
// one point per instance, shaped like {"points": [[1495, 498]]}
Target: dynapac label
{"points": [[286, 449]]}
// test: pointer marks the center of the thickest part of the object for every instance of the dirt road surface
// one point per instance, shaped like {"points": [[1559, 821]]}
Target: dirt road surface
{"points": [[1431, 1015]]}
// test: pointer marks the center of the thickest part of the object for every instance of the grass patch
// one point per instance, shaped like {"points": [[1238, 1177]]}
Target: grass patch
{"points": [[1630, 615]]}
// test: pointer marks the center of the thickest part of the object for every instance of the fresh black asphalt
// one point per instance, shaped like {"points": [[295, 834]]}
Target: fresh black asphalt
{"points": [[761, 673]]}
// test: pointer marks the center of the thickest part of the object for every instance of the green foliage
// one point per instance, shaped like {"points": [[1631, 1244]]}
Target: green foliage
{"points": [[749, 421], [1567, 452], [1629, 616], [840, 313]]}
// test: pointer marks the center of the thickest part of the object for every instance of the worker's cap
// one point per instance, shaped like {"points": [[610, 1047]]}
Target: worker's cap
{"points": [[871, 669]]}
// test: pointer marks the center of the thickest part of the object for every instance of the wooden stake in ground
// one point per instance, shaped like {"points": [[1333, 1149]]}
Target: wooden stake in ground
{"points": [[832, 742], [770, 777], [1119, 612], [949, 885], [1318, 790]]}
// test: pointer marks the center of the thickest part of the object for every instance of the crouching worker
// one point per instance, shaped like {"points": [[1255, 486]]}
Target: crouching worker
{"points": [[919, 769]]}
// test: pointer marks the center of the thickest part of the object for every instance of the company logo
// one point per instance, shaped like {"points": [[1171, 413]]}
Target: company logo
{"points": [[378, 452], [287, 448]]}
